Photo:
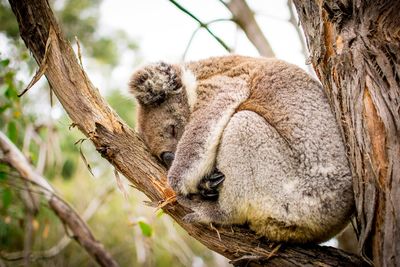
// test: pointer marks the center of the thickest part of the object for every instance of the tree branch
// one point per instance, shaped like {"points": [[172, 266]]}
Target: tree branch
{"points": [[196, 31], [81, 232], [202, 25], [121, 147], [244, 17], [66, 239]]}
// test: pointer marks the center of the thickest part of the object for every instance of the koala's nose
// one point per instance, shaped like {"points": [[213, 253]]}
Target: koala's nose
{"points": [[167, 158]]}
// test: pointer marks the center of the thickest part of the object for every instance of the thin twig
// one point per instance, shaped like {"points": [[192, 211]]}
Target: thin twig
{"points": [[79, 143], [42, 67], [223, 2], [304, 50], [28, 235], [79, 51], [202, 24], [196, 31], [61, 208], [66, 239]]}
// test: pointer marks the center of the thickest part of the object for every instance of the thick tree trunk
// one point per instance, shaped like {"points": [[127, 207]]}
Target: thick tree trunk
{"points": [[122, 148], [355, 48]]}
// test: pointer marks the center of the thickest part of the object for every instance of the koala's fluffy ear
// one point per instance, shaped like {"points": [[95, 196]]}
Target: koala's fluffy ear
{"points": [[153, 84]]}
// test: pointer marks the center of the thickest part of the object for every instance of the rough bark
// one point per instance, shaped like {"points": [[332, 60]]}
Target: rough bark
{"points": [[355, 48], [122, 147]]}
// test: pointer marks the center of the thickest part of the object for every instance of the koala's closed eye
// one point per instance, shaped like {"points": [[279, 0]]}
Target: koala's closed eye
{"points": [[171, 130]]}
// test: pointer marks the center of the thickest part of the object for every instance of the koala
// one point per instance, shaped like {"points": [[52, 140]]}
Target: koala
{"points": [[247, 141]]}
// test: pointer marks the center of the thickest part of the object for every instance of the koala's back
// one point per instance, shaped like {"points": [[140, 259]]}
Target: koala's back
{"points": [[284, 159], [265, 187]]}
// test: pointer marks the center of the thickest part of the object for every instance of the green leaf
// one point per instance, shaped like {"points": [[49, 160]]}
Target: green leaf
{"points": [[12, 132], [4, 63], [11, 93], [3, 176], [9, 77], [4, 107], [160, 213], [146, 228], [6, 197], [68, 169], [3, 89], [105, 51]]}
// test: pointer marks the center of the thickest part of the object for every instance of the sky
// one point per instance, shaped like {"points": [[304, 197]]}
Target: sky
{"points": [[163, 31]]}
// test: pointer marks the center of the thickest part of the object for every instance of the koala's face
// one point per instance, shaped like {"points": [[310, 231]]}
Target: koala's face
{"points": [[162, 126], [163, 109]]}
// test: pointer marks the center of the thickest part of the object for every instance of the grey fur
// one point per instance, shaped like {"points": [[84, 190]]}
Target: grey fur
{"points": [[154, 83], [267, 126]]}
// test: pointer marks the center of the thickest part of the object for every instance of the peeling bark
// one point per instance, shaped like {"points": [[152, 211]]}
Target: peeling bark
{"points": [[355, 48], [122, 148]]}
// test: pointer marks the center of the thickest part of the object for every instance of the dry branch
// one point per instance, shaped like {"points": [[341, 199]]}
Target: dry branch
{"points": [[122, 147], [244, 17], [304, 50], [66, 239], [81, 232]]}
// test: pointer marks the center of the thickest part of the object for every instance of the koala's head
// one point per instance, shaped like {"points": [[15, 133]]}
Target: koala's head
{"points": [[162, 110]]}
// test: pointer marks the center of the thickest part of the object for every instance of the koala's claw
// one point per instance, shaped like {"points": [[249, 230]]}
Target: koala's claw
{"points": [[209, 185], [209, 194], [215, 179]]}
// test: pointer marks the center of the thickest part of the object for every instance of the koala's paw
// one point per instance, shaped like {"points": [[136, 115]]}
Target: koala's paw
{"points": [[174, 182], [196, 204], [209, 186], [191, 201], [193, 217]]}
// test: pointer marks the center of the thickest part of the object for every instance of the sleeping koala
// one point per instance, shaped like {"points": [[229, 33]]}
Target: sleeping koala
{"points": [[248, 140]]}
